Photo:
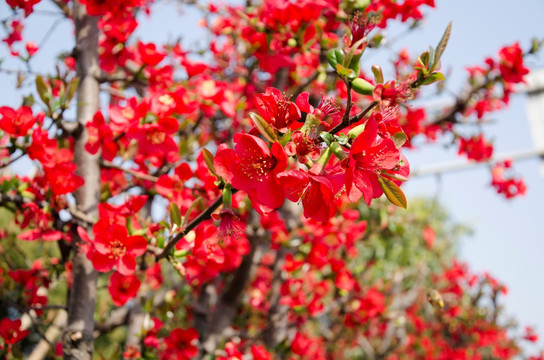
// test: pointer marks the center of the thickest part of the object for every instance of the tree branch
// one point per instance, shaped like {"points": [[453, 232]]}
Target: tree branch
{"points": [[229, 300], [205, 215]]}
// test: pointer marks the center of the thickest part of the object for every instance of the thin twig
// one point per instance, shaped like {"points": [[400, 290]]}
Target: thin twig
{"points": [[206, 214], [11, 161], [136, 174], [353, 119]]}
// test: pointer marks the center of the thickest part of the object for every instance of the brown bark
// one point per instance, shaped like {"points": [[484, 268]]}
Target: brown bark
{"points": [[229, 301], [78, 340]]}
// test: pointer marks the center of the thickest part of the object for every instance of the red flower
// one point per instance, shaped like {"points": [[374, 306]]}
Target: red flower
{"points": [[276, 110], [256, 168], [62, 178], [100, 135], [26, 5], [31, 48], [317, 192], [369, 156], [17, 123], [180, 344], [149, 54], [476, 148], [123, 288], [259, 353], [10, 331], [230, 226], [113, 247], [511, 65], [173, 187], [155, 141]]}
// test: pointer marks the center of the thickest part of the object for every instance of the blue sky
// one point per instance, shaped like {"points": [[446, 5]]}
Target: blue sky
{"points": [[508, 240]]}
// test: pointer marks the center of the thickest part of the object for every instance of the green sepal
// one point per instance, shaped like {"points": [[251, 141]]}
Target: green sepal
{"points": [[227, 197], [362, 86], [338, 151]]}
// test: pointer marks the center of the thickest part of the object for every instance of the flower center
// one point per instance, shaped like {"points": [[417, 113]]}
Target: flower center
{"points": [[117, 249], [156, 137]]}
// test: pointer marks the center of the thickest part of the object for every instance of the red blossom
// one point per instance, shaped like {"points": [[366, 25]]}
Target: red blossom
{"points": [[122, 288], [276, 110], [112, 246], [511, 64], [100, 135], [508, 186], [31, 48], [18, 122], [173, 187], [26, 5], [11, 331], [476, 148], [256, 169], [369, 156], [149, 54], [316, 192], [180, 344]]}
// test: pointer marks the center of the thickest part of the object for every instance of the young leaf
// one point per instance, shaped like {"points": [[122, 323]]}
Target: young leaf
{"points": [[399, 138], [345, 72], [334, 57], [263, 127], [432, 78], [393, 192], [208, 159], [43, 90], [175, 214], [441, 47]]}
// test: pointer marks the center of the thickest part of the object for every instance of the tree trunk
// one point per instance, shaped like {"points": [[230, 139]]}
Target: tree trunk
{"points": [[78, 341]]}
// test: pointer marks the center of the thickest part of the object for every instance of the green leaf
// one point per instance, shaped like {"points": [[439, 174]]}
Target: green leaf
{"points": [[393, 192], [175, 214], [378, 73], [441, 47], [71, 90], [399, 138], [334, 57], [432, 78], [342, 139], [263, 127], [345, 72], [208, 159], [432, 55], [43, 90], [327, 138]]}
